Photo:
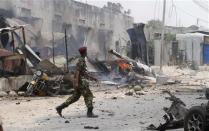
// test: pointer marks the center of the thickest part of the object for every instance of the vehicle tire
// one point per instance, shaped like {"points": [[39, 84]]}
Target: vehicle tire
{"points": [[195, 119]]}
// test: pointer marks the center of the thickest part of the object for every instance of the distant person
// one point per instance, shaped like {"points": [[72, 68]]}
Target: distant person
{"points": [[81, 86]]}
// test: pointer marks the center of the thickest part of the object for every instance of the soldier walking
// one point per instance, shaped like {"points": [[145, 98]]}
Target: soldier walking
{"points": [[81, 86]]}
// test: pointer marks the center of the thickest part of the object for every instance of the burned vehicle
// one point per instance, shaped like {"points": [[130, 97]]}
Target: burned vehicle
{"points": [[197, 118], [178, 116], [174, 117]]}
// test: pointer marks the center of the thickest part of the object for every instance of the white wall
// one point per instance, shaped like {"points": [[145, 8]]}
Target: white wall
{"points": [[191, 44]]}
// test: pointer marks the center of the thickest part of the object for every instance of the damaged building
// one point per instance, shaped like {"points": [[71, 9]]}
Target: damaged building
{"points": [[100, 29]]}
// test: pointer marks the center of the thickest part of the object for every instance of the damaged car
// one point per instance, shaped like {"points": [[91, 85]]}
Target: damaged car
{"points": [[197, 118]]}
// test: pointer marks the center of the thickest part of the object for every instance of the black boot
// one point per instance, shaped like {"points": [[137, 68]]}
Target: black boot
{"points": [[90, 113], [60, 107]]}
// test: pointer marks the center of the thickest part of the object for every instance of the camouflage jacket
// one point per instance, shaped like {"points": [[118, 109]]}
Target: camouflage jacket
{"points": [[82, 68]]}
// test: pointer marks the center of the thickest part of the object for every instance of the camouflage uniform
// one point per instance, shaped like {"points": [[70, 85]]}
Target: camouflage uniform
{"points": [[83, 88]]}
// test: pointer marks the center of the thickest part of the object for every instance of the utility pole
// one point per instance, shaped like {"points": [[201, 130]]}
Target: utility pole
{"points": [[66, 50], [162, 35], [53, 47], [197, 22]]}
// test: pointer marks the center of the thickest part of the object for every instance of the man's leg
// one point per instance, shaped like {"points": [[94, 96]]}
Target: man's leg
{"points": [[76, 95], [88, 98]]}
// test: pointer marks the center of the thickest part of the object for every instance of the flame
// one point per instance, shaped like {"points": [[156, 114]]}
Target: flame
{"points": [[124, 65]]}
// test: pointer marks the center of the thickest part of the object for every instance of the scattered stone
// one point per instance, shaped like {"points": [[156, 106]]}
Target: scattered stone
{"points": [[3, 94], [17, 103], [140, 93], [141, 122], [130, 92], [20, 93], [91, 127], [114, 98], [137, 88], [108, 92], [111, 114], [13, 93], [151, 127], [48, 119], [67, 121]]}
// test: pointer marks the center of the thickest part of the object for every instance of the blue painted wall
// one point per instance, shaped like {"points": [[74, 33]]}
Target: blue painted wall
{"points": [[205, 53]]}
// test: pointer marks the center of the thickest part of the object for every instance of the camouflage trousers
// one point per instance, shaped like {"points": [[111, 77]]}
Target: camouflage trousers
{"points": [[83, 90]]}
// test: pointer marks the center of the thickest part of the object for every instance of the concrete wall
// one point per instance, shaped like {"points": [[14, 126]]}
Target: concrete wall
{"points": [[191, 44], [13, 83], [166, 52]]}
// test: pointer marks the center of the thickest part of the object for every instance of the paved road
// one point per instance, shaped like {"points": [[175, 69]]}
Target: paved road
{"points": [[117, 112]]}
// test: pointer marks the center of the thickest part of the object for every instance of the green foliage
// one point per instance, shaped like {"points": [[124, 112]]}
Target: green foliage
{"points": [[155, 24]]}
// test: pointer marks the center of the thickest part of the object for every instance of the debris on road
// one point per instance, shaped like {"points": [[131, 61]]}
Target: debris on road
{"points": [[91, 127], [174, 117], [67, 121]]}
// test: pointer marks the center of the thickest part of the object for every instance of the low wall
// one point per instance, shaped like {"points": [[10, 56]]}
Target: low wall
{"points": [[13, 83]]}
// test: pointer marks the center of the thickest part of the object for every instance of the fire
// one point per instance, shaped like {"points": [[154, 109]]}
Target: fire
{"points": [[123, 65]]}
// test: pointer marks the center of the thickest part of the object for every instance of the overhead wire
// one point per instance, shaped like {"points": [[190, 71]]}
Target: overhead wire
{"points": [[202, 5], [201, 19], [159, 10], [155, 9], [171, 10]]}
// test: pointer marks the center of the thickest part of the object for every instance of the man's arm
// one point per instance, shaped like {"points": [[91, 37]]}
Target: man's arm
{"points": [[91, 77], [76, 79]]}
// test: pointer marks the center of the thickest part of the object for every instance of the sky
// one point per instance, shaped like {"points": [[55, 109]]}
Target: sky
{"points": [[178, 12]]}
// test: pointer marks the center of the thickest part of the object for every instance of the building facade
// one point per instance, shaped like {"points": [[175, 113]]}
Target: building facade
{"points": [[100, 29]]}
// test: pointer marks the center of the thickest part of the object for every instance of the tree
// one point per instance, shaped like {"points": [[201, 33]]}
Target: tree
{"points": [[155, 24]]}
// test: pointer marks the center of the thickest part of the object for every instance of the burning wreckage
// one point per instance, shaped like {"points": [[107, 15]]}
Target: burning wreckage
{"points": [[19, 62], [18, 58]]}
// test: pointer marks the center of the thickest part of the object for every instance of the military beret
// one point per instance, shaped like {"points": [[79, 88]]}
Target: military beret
{"points": [[82, 50]]}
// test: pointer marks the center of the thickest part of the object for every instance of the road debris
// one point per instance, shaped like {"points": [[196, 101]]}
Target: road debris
{"points": [[67, 121], [91, 127], [174, 117]]}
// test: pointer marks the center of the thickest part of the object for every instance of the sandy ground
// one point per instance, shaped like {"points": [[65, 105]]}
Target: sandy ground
{"points": [[117, 112]]}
